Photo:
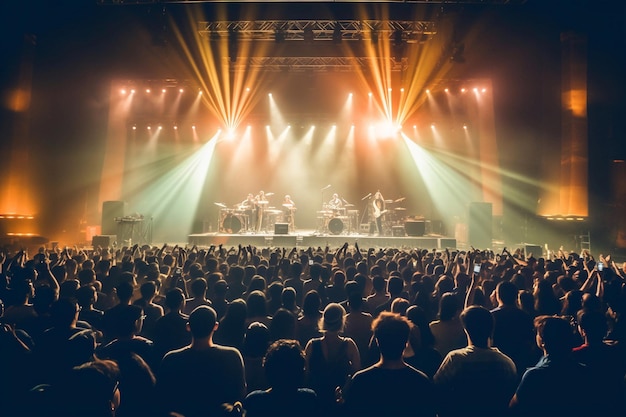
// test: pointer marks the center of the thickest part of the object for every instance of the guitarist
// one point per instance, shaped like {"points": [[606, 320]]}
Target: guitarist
{"points": [[378, 206]]}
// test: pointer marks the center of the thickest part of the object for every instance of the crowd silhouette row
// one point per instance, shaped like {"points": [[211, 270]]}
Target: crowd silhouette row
{"points": [[173, 331]]}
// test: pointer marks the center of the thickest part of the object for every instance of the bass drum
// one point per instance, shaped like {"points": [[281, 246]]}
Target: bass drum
{"points": [[231, 224], [335, 226]]}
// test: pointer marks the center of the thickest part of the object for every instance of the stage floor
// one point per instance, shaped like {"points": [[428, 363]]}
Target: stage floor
{"points": [[310, 238]]}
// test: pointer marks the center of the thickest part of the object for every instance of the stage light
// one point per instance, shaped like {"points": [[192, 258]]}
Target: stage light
{"points": [[432, 125], [402, 90], [149, 128], [308, 35], [463, 90], [337, 35], [279, 35], [200, 92], [147, 91], [414, 126], [427, 91], [160, 127], [163, 91], [123, 91], [175, 127], [475, 90], [369, 95], [397, 37], [180, 90], [465, 127], [247, 89], [446, 90], [484, 90], [193, 127], [389, 89], [132, 91], [134, 127], [350, 95], [269, 95]]}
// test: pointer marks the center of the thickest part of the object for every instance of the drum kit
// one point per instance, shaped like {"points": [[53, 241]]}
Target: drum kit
{"points": [[241, 218], [336, 220], [331, 220]]}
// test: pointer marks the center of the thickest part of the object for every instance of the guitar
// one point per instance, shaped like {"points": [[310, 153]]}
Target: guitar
{"points": [[378, 212]]}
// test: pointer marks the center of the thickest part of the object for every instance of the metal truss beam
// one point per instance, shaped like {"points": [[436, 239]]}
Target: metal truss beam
{"points": [[320, 30], [316, 64]]}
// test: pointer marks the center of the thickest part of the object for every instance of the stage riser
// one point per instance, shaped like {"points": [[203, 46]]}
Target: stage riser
{"points": [[423, 242]]}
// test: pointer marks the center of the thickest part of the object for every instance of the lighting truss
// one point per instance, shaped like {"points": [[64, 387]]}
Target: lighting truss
{"points": [[318, 30], [319, 64]]}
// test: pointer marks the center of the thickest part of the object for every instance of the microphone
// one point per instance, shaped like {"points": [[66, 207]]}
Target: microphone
{"points": [[326, 188], [367, 196]]}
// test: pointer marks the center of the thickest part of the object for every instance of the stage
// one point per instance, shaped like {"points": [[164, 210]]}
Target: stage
{"points": [[309, 238]]}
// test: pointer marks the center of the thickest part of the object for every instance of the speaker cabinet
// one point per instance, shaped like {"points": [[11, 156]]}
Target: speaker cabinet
{"points": [[415, 227], [535, 250], [480, 225], [281, 228], [110, 211], [398, 231], [104, 241]]}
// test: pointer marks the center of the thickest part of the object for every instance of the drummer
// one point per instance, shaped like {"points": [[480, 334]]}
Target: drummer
{"points": [[335, 203], [289, 208]]}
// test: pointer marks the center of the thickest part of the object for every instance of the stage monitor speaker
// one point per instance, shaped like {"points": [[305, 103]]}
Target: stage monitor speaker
{"points": [[415, 227], [398, 231], [110, 211], [480, 225], [104, 241], [365, 228], [535, 250], [281, 228]]}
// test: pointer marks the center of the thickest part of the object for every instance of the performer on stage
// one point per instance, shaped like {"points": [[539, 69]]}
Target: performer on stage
{"points": [[378, 210], [261, 205], [289, 207], [335, 203], [248, 206]]}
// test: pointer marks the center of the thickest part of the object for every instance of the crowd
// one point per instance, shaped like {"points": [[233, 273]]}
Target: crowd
{"points": [[173, 331]]}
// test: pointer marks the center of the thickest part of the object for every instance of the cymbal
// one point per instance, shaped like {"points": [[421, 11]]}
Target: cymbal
{"points": [[388, 201], [263, 202], [325, 212], [399, 200], [399, 208], [288, 205], [269, 194], [222, 205], [348, 205]]}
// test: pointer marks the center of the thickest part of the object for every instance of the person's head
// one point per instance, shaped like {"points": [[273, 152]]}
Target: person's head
{"points": [[311, 304], [257, 304], [288, 298], [449, 306], [175, 299], [86, 296], [199, 287], [400, 305], [395, 286], [333, 318], [64, 312], [379, 283], [256, 340], [202, 322], [554, 335], [283, 325], [86, 276], [124, 291], [506, 293], [478, 324], [284, 365], [92, 389], [148, 290], [128, 321], [391, 331], [592, 325]]}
